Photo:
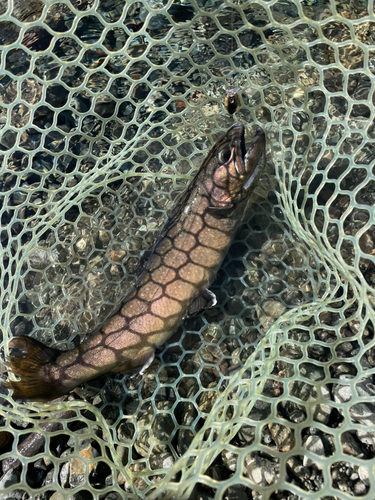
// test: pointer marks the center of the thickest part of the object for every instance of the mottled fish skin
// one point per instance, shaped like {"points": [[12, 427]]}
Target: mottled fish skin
{"points": [[183, 263]]}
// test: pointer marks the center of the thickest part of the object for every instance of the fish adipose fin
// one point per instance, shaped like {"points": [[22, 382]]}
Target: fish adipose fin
{"points": [[27, 358], [204, 301]]}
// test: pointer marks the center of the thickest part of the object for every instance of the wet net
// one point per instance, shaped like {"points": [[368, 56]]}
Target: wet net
{"points": [[106, 110]]}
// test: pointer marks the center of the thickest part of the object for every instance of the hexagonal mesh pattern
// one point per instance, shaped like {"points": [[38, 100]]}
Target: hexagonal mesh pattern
{"points": [[106, 109]]}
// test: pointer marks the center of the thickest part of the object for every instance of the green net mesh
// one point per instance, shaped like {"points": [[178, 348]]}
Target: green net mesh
{"points": [[107, 107]]}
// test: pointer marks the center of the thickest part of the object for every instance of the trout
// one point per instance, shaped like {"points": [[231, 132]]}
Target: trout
{"points": [[172, 279]]}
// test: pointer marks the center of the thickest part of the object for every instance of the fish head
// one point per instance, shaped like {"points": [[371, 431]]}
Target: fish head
{"points": [[233, 170]]}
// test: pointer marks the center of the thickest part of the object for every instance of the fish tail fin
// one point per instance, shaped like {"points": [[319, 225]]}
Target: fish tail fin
{"points": [[27, 358]]}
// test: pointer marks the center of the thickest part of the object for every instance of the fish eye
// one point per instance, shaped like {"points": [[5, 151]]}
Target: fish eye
{"points": [[225, 155]]}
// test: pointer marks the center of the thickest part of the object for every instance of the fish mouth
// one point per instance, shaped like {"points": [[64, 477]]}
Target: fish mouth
{"points": [[238, 148], [248, 161], [255, 159]]}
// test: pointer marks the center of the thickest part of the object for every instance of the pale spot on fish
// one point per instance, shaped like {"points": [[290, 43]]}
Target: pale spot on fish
{"points": [[150, 291], [121, 342], [115, 324], [94, 357], [175, 258], [163, 275], [204, 256], [69, 360], [147, 324], [164, 246], [134, 308], [195, 226], [185, 241], [180, 290], [192, 273], [213, 238], [166, 307]]}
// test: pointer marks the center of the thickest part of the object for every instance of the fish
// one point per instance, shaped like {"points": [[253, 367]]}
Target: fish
{"points": [[231, 100], [172, 283]]}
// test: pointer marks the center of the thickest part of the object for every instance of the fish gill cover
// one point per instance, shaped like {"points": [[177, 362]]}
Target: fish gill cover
{"points": [[106, 110]]}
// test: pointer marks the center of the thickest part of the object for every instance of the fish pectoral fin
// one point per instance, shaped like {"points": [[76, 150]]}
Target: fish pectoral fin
{"points": [[221, 212], [205, 300]]}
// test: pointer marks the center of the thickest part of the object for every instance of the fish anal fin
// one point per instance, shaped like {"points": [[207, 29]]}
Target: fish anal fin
{"points": [[139, 365], [27, 358], [205, 300]]}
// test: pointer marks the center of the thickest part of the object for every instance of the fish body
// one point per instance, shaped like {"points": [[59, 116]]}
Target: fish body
{"points": [[172, 281]]}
